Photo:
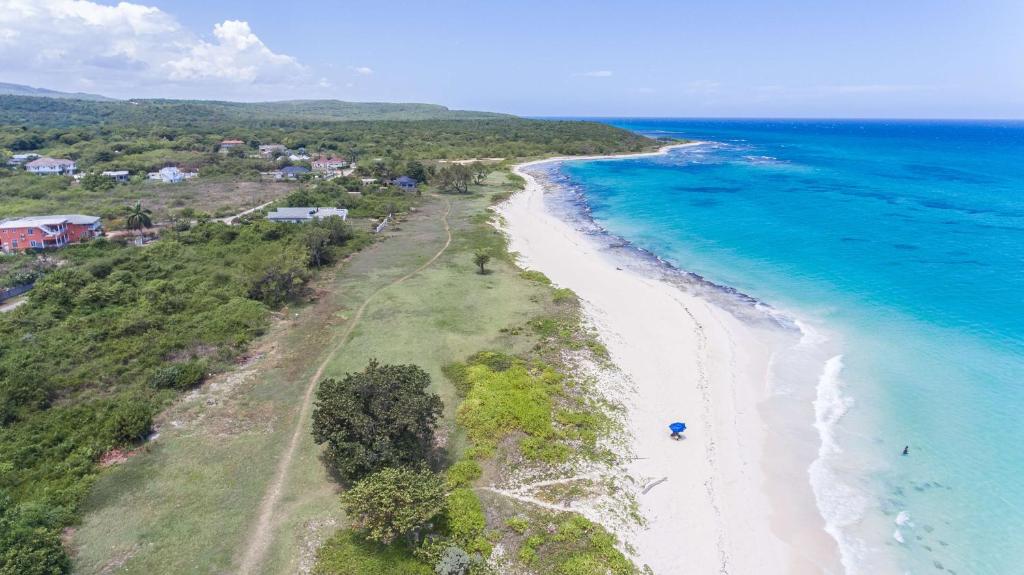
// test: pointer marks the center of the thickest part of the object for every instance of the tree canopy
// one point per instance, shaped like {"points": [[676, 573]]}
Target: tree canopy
{"points": [[383, 416]]}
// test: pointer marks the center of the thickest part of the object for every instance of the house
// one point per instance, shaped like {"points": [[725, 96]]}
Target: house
{"points": [[299, 215], [51, 166], [325, 164], [406, 183], [40, 232], [298, 157], [292, 172], [227, 145], [119, 176], [19, 159], [270, 150], [171, 175], [368, 181]]}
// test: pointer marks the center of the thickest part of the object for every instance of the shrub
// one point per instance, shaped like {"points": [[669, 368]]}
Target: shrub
{"points": [[394, 502], [535, 276], [380, 417], [130, 421], [462, 473], [454, 561], [178, 375], [347, 553], [466, 521]]}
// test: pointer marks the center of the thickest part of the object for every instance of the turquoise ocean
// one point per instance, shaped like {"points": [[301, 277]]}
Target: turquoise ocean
{"points": [[904, 238]]}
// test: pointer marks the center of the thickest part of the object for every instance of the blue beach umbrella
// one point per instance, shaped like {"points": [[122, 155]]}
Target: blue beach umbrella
{"points": [[677, 427]]}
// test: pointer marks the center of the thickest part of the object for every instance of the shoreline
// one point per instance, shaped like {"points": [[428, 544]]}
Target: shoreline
{"points": [[716, 502]]}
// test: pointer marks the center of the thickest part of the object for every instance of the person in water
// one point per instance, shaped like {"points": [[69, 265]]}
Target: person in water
{"points": [[906, 450]]}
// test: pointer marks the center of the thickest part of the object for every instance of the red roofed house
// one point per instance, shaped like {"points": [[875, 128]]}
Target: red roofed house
{"points": [[51, 166], [325, 164], [38, 232]]}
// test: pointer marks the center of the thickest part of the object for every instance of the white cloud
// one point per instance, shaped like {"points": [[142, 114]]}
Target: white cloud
{"points": [[597, 74], [132, 46], [362, 70]]}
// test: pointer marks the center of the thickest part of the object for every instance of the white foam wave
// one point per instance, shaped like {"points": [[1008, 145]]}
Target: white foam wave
{"points": [[898, 536], [840, 504], [903, 519]]}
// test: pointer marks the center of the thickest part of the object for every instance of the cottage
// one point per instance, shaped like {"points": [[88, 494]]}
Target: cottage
{"points": [[368, 181], [40, 232], [171, 175], [299, 215], [292, 172], [45, 166], [19, 159], [331, 164], [119, 176], [405, 183], [271, 150], [228, 145]]}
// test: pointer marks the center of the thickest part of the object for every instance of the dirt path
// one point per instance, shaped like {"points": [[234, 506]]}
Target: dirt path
{"points": [[260, 534]]}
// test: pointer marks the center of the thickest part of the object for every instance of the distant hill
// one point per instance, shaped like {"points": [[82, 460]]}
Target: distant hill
{"points": [[64, 112], [22, 90]]}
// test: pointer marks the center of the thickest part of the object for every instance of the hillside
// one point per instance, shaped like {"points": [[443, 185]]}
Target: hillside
{"points": [[62, 112], [22, 90]]}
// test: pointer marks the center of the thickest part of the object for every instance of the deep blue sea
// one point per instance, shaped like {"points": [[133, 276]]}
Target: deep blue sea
{"points": [[905, 237]]}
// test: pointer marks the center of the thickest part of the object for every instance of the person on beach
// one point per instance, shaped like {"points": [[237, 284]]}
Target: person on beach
{"points": [[906, 450]]}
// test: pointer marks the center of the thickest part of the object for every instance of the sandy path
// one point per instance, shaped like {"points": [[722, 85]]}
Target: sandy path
{"points": [[261, 533]]}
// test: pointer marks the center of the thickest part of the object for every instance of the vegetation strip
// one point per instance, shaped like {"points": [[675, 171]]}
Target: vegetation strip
{"points": [[257, 542]]}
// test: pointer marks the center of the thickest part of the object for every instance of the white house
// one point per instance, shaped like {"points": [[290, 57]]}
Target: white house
{"points": [[51, 166], [325, 164], [171, 175], [19, 159], [119, 176], [271, 150], [299, 215]]}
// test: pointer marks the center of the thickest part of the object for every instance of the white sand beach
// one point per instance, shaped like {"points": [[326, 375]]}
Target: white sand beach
{"points": [[732, 499]]}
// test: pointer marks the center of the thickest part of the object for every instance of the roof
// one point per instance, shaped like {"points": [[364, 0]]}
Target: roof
{"points": [[295, 170], [116, 173], [306, 213], [232, 142], [36, 221], [405, 181], [45, 162]]}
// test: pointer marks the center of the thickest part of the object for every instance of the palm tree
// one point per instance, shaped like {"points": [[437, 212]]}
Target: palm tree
{"points": [[138, 217]]}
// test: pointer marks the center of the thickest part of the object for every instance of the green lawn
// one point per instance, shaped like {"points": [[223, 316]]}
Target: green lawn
{"points": [[186, 504]]}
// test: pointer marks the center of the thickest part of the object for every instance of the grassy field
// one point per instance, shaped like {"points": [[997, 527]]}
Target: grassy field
{"points": [[188, 502], [214, 196]]}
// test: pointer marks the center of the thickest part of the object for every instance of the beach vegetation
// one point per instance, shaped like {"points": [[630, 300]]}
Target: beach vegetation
{"points": [[535, 276], [383, 416]]}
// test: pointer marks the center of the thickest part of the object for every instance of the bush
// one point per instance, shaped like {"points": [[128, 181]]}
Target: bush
{"points": [[462, 473], [380, 417], [179, 375], [454, 561], [393, 503], [466, 521], [347, 553], [130, 421], [535, 276]]}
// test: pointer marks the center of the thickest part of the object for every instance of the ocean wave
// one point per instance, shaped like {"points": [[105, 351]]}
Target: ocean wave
{"points": [[840, 504]]}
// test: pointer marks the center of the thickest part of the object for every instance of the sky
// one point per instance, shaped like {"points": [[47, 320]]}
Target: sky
{"points": [[681, 58]]}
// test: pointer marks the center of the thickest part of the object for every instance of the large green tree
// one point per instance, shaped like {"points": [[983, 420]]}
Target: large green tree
{"points": [[394, 502], [383, 416]]}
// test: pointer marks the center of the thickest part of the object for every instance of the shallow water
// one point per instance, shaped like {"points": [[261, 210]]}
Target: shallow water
{"points": [[906, 241]]}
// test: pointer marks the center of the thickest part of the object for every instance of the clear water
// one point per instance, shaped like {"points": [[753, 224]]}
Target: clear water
{"points": [[907, 238]]}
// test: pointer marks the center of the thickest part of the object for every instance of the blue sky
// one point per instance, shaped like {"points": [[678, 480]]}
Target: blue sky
{"points": [[898, 58]]}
